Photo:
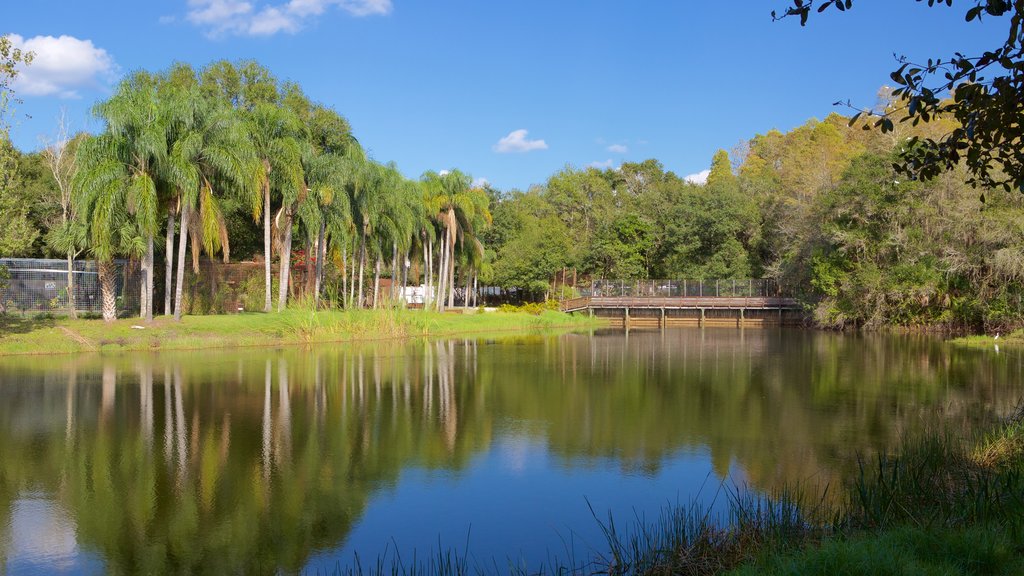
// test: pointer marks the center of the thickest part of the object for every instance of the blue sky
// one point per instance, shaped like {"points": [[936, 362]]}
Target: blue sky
{"points": [[509, 91]]}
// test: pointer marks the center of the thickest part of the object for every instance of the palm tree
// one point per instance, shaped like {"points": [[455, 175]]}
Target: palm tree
{"points": [[459, 207], [212, 158], [275, 134], [136, 123], [101, 189], [177, 92]]}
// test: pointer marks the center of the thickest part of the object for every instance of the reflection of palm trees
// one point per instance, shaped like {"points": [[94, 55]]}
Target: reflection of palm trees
{"points": [[145, 370], [267, 424], [283, 443], [109, 390], [168, 423], [69, 400], [179, 423]]}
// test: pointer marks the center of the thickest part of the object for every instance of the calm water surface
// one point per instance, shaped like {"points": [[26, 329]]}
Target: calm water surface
{"points": [[287, 461]]}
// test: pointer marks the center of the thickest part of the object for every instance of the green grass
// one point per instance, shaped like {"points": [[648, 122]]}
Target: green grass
{"points": [[48, 335], [975, 550], [942, 505], [1014, 339]]}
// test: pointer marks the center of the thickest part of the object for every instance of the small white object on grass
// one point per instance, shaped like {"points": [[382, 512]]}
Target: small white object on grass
{"points": [[137, 327]]}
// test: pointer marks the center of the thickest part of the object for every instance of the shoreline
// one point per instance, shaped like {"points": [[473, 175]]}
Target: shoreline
{"points": [[40, 337]]}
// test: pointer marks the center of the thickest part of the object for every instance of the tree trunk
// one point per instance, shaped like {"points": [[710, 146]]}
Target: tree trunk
{"points": [[394, 271], [405, 276], [465, 300], [376, 284], [321, 253], [428, 274], [72, 311], [146, 303], [451, 269], [344, 274], [286, 258], [362, 271], [143, 284], [169, 263], [108, 289], [352, 277], [179, 284], [442, 275], [476, 292], [309, 268], [267, 303]]}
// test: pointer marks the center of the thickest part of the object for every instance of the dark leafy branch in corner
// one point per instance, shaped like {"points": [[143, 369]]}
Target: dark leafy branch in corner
{"points": [[982, 93]]}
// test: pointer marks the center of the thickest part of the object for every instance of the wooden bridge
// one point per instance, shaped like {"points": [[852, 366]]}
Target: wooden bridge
{"points": [[662, 303]]}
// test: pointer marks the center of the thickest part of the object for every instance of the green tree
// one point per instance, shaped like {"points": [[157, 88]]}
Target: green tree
{"points": [[462, 210], [212, 159], [137, 124], [275, 133], [16, 234], [101, 192], [983, 93]]}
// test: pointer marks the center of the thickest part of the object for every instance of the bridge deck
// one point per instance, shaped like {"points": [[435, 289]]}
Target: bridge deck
{"points": [[679, 303]]}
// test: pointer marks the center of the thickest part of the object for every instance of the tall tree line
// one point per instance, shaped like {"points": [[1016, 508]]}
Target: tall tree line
{"points": [[190, 155]]}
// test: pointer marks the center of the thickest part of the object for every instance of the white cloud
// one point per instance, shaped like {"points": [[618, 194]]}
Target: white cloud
{"points": [[62, 65], [270, 21], [516, 141], [219, 17], [700, 178], [481, 182], [618, 149], [443, 172], [602, 165]]}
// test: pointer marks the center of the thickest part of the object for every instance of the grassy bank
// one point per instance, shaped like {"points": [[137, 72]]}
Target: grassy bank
{"points": [[944, 505], [1014, 339], [46, 335]]}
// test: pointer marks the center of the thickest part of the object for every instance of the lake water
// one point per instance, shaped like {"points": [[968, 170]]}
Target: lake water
{"points": [[291, 460]]}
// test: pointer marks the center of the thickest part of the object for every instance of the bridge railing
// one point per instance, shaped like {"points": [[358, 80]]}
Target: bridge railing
{"points": [[702, 288]]}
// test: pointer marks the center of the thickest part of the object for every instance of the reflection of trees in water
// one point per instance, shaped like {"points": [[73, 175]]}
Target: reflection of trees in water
{"points": [[259, 467], [269, 456]]}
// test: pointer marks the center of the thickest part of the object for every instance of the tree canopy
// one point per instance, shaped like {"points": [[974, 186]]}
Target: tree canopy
{"points": [[984, 93]]}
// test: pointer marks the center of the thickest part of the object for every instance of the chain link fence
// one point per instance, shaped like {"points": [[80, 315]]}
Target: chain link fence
{"points": [[41, 285]]}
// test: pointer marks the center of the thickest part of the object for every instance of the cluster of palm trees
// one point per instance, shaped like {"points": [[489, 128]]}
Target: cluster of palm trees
{"points": [[179, 144]]}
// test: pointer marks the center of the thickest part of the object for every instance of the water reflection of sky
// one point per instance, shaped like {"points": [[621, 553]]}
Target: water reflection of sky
{"points": [[519, 504], [41, 539]]}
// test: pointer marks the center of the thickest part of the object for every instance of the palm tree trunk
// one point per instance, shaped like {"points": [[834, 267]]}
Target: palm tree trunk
{"points": [[321, 253], [352, 277], [169, 263], [286, 258], [394, 272], [405, 275], [106, 270], [143, 286], [71, 286], [266, 243], [182, 244], [376, 283], [428, 274], [442, 276], [451, 269], [146, 311], [476, 292], [362, 270], [344, 274], [465, 300]]}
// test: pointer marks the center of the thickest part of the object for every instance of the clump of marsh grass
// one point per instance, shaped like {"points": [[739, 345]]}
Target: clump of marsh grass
{"points": [[690, 539], [1004, 447]]}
